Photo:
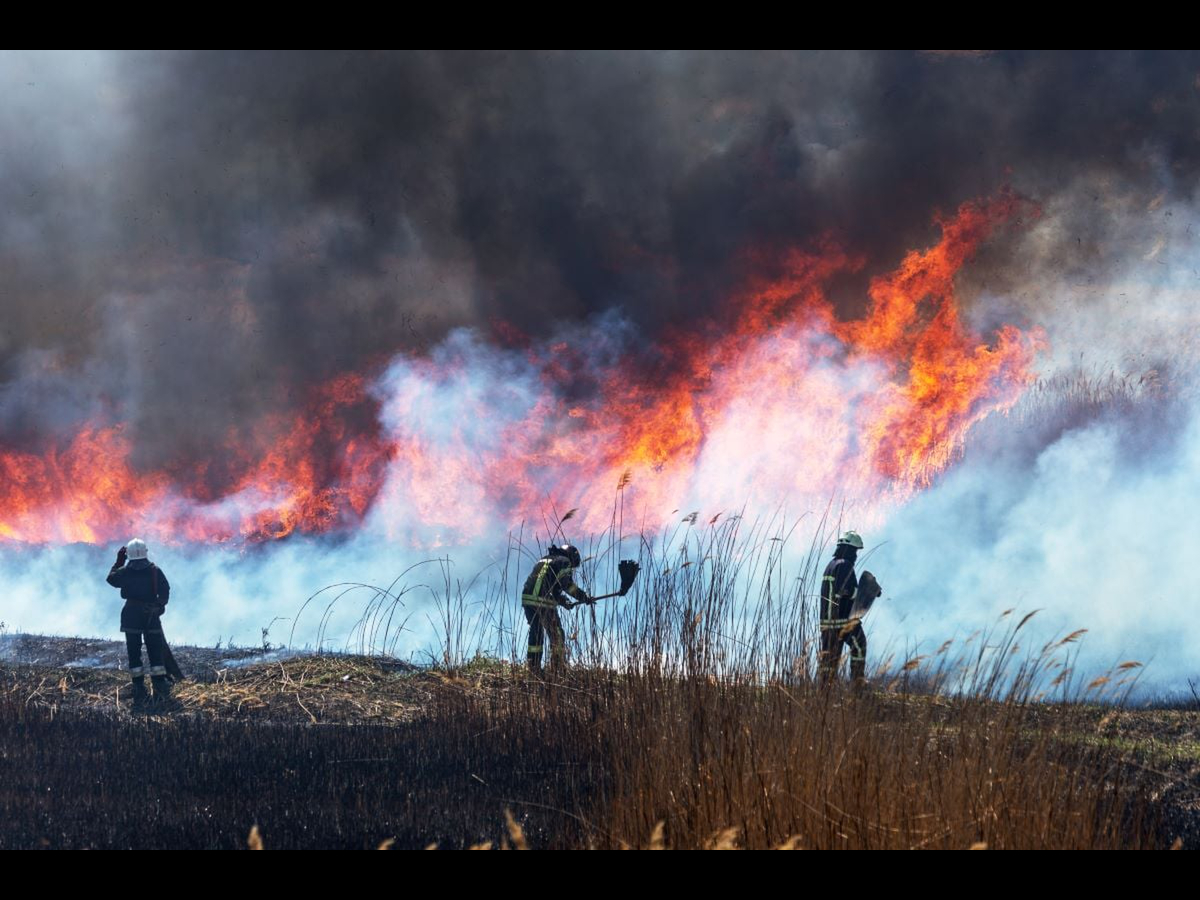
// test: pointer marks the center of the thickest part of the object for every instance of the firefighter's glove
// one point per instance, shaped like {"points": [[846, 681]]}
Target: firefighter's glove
{"points": [[121, 557]]}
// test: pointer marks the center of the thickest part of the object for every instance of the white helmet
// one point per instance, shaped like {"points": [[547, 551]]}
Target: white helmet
{"points": [[852, 538], [136, 549]]}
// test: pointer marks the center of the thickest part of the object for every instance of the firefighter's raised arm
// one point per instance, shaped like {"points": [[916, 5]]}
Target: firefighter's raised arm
{"points": [[114, 577]]}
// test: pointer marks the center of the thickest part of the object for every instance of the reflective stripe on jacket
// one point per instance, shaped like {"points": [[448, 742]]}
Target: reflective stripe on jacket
{"points": [[838, 586], [549, 581]]}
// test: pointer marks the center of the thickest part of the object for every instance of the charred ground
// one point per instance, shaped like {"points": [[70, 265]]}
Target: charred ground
{"points": [[340, 751]]}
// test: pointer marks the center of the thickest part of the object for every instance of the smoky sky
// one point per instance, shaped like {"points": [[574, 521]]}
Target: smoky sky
{"points": [[189, 240]]}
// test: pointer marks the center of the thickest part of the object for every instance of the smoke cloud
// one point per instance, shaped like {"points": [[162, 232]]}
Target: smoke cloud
{"points": [[207, 234], [194, 243]]}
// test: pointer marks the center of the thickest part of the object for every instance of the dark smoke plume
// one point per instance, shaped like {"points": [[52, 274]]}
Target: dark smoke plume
{"points": [[190, 240]]}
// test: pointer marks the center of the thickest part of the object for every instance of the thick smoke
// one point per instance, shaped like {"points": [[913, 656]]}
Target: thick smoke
{"points": [[194, 238]]}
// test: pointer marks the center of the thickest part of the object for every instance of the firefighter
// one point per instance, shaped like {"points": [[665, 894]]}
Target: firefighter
{"points": [[146, 590], [839, 585], [548, 587]]}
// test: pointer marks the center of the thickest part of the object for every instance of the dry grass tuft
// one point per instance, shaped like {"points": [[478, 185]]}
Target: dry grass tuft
{"points": [[656, 837], [514, 832], [725, 839]]}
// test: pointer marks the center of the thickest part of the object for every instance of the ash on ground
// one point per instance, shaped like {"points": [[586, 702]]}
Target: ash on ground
{"points": [[199, 663]]}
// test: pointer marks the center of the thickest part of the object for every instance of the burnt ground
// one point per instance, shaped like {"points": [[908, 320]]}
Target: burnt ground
{"points": [[1163, 744], [233, 682], [316, 751], [97, 653], [246, 697]]}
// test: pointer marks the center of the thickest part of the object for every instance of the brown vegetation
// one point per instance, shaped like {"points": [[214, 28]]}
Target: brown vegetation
{"points": [[690, 718]]}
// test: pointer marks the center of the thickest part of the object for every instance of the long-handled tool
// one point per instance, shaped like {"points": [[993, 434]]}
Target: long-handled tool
{"points": [[169, 663], [629, 571]]}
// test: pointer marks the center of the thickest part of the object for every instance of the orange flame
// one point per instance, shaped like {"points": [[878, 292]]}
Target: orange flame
{"points": [[779, 402], [90, 492], [774, 401], [952, 380]]}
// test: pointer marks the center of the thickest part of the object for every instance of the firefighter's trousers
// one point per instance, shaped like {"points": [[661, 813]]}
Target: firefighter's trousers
{"points": [[543, 620], [155, 649], [833, 636]]}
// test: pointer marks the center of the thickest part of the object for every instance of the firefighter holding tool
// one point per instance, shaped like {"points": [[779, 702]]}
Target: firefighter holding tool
{"points": [[550, 585]]}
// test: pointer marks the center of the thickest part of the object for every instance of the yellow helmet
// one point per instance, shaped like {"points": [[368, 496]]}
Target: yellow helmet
{"points": [[852, 538]]}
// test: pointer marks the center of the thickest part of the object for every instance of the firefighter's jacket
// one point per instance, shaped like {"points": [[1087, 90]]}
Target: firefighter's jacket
{"points": [[146, 591], [549, 584], [839, 584]]}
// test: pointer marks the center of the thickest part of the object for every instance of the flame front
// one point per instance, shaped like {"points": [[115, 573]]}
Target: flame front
{"points": [[772, 401], [91, 492]]}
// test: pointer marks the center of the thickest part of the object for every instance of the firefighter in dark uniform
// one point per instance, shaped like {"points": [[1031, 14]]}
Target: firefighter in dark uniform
{"points": [[548, 587], [146, 590], [838, 588]]}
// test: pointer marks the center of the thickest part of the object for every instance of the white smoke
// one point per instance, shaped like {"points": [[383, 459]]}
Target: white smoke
{"points": [[1088, 536], [1080, 504]]}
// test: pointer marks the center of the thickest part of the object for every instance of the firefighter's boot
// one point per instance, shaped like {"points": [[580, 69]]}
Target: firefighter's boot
{"points": [[534, 661], [141, 698], [162, 693], [858, 675]]}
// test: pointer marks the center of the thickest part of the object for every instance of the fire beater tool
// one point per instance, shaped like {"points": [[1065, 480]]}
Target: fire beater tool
{"points": [[169, 663], [868, 592], [629, 571]]}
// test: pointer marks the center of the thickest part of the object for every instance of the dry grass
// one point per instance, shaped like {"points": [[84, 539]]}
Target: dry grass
{"points": [[698, 763], [598, 758], [312, 689], [690, 718]]}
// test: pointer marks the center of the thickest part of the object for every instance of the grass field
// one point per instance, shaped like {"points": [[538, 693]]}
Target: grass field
{"points": [[689, 718], [332, 751]]}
